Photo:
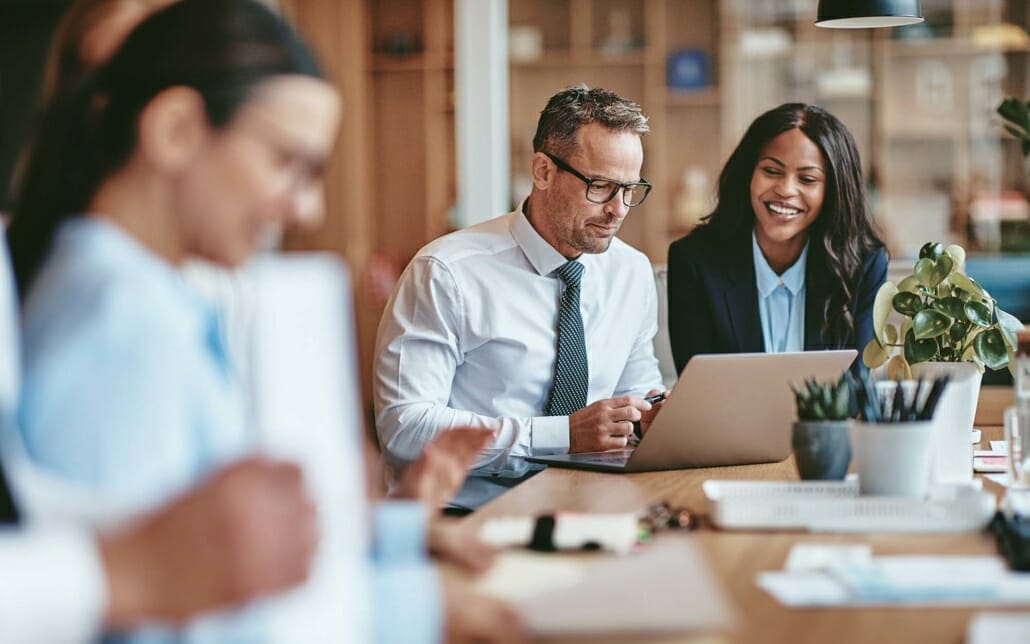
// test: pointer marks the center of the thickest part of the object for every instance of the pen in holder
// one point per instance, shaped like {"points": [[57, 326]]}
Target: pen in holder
{"points": [[893, 441]]}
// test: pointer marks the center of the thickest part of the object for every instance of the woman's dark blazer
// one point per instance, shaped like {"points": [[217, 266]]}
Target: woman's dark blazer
{"points": [[713, 299]]}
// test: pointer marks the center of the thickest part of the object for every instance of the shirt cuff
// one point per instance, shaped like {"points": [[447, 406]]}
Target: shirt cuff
{"points": [[549, 435], [48, 573], [408, 605], [399, 532]]}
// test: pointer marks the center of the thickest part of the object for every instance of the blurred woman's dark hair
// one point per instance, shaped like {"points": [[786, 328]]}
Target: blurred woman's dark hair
{"points": [[223, 49], [842, 236], [67, 58]]}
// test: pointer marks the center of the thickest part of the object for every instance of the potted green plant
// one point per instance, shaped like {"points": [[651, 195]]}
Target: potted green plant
{"points": [[949, 325], [1015, 112], [822, 449], [1017, 120]]}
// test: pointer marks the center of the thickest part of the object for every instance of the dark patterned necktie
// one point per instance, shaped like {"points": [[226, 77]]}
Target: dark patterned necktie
{"points": [[571, 372]]}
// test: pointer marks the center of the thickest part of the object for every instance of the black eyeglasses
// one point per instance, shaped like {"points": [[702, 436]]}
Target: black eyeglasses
{"points": [[604, 190]]}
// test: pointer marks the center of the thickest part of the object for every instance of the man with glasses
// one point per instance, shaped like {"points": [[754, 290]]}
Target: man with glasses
{"points": [[537, 324]]}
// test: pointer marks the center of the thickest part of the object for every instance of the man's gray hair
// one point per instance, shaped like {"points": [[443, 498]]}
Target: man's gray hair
{"points": [[574, 107]]}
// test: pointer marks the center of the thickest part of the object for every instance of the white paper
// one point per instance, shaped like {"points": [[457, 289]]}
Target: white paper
{"points": [[808, 557], [1001, 479], [988, 452], [673, 591], [999, 628], [848, 581]]}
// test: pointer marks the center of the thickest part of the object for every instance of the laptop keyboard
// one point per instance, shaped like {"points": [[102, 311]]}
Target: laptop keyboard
{"points": [[606, 457]]}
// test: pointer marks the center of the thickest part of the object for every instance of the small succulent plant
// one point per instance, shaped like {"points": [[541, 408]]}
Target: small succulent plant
{"points": [[818, 401]]}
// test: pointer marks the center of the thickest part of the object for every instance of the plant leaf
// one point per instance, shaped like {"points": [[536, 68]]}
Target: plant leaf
{"points": [[931, 250], [910, 285], [1016, 132], [1015, 111], [991, 349], [907, 304], [959, 330], [882, 309], [1009, 325], [958, 254], [966, 283], [898, 369], [962, 293], [929, 323], [932, 272], [950, 306], [891, 333], [978, 313], [874, 354], [841, 401], [919, 350]]}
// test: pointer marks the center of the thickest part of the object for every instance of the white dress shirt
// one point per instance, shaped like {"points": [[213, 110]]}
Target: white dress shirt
{"points": [[781, 301], [469, 339], [53, 587], [52, 583]]}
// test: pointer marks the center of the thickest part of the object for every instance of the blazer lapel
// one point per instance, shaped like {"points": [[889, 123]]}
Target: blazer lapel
{"points": [[8, 511], [741, 298], [816, 294]]}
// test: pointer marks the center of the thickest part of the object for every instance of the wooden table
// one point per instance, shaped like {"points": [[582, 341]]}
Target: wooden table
{"points": [[737, 557]]}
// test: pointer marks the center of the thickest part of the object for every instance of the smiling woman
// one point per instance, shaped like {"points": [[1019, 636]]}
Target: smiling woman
{"points": [[789, 259]]}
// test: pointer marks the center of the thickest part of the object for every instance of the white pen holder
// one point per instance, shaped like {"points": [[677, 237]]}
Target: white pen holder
{"points": [[893, 459]]}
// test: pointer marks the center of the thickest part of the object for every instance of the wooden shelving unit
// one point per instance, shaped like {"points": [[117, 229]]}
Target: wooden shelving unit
{"points": [[391, 181], [925, 126], [623, 45]]}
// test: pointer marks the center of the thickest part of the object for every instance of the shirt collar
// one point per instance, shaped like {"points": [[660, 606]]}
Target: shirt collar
{"points": [[766, 278], [544, 258], [187, 308]]}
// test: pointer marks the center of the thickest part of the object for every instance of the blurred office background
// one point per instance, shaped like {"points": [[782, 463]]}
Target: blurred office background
{"points": [[920, 101]]}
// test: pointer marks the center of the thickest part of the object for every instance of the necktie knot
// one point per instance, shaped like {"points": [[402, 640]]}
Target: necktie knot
{"points": [[571, 273]]}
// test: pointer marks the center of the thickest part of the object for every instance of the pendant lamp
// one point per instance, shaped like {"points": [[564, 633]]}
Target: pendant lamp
{"points": [[858, 14]]}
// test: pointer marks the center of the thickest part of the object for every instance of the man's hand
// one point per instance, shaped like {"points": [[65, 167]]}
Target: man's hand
{"points": [[248, 531], [606, 424], [477, 618], [458, 543], [648, 416], [434, 478]]}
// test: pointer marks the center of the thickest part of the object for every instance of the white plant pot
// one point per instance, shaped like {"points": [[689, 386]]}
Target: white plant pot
{"points": [[953, 420], [893, 459]]}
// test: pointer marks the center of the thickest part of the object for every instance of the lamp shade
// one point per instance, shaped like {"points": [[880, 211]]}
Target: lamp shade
{"points": [[858, 14]]}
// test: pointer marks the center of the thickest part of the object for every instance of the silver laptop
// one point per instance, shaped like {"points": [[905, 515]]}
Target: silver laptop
{"points": [[726, 409]]}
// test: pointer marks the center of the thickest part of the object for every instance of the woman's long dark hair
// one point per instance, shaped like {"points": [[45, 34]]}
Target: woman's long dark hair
{"points": [[223, 49], [843, 234]]}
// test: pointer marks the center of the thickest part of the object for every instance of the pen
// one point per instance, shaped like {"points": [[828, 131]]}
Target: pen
{"points": [[652, 400]]}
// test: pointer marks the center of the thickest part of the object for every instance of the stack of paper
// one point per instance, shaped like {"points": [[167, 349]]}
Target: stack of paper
{"points": [[994, 460], [586, 595], [830, 575]]}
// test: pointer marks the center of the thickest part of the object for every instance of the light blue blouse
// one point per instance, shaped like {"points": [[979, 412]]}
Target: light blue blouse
{"points": [[128, 391], [781, 302]]}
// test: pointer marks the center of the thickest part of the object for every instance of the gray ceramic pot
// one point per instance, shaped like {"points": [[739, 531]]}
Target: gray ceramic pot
{"points": [[822, 449]]}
